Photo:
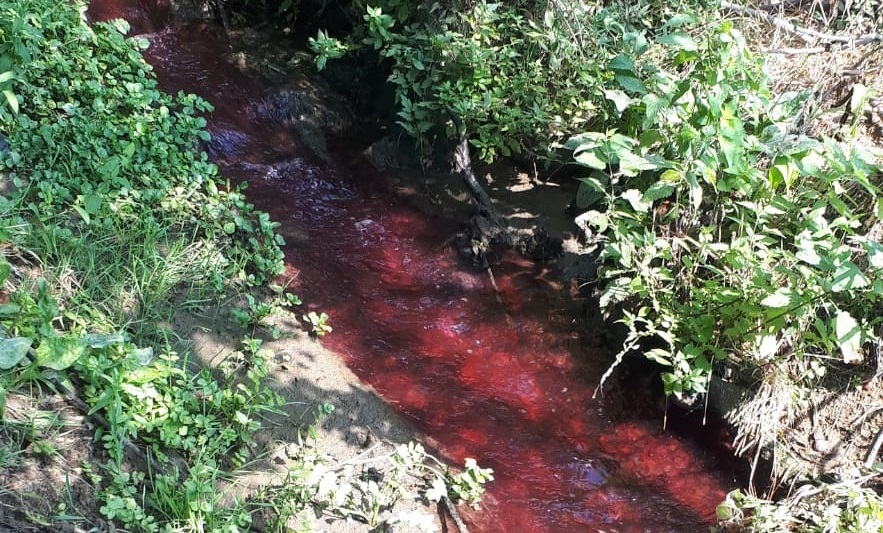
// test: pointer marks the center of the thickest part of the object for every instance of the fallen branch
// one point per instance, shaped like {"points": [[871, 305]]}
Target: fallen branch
{"points": [[874, 450], [461, 525], [795, 51], [807, 35]]}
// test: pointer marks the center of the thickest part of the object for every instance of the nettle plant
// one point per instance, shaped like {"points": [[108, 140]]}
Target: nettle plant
{"points": [[725, 236]]}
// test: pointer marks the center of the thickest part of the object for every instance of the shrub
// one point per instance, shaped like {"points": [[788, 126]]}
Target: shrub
{"points": [[725, 237]]}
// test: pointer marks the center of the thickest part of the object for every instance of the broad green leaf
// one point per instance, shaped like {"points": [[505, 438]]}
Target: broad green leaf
{"points": [[590, 159], [621, 63], [806, 252], [663, 357], [11, 99], [143, 355], [636, 41], [9, 309], [779, 299], [95, 340], [848, 277], [92, 203], [635, 199], [658, 191], [584, 141], [13, 350], [679, 20], [679, 41], [110, 169], [621, 100], [849, 337], [59, 353], [589, 193], [5, 270], [630, 83], [631, 164], [671, 176], [875, 254]]}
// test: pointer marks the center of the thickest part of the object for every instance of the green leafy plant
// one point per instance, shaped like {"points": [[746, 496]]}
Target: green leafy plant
{"points": [[843, 507], [490, 65], [260, 311], [318, 323], [326, 48], [111, 201], [104, 161], [725, 238], [368, 487]]}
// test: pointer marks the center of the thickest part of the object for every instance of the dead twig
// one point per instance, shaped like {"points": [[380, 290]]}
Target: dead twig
{"points": [[874, 450], [796, 51], [807, 35]]}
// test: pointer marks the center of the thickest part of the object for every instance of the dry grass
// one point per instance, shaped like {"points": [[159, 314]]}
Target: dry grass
{"points": [[834, 72]]}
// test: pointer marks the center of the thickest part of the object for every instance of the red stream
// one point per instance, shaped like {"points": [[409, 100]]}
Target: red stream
{"points": [[508, 384]]}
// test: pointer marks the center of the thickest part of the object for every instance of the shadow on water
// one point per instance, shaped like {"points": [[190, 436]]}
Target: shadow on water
{"points": [[510, 383]]}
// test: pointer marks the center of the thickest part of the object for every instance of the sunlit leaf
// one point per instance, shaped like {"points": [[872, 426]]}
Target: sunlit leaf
{"points": [[631, 164], [621, 100], [806, 252], [658, 191], [636, 200], [767, 346], [679, 20], [875, 254], [847, 277], [779, 299], [590, 159], [11, 99], [59, 353], [849, 337]]}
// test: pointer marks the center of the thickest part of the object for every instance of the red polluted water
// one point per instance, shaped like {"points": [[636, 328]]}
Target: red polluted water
{"points": [[509, 383]]}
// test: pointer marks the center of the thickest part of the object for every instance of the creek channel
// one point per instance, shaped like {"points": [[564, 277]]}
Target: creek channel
{"points": [[503, 377]]}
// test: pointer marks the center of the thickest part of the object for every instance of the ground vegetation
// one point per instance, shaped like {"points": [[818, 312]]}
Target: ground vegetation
{"points": [[112, 222]]}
